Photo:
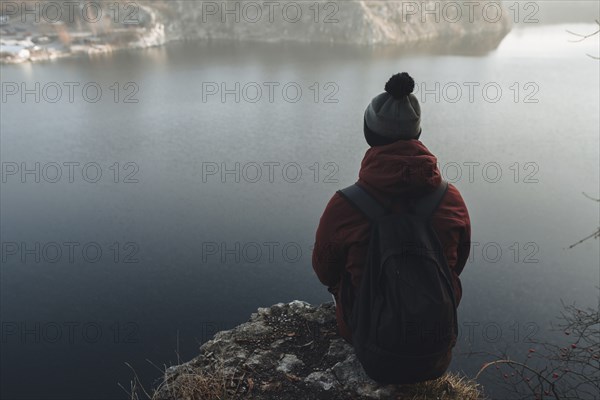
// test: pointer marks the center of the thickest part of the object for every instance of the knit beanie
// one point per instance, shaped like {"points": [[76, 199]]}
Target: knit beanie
{"points": [[395, 114]]}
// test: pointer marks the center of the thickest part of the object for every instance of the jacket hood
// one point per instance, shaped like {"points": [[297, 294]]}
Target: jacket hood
{"points": [[405, 167]]}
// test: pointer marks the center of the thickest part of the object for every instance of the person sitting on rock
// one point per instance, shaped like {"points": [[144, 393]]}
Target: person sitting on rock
{"points": [[397, 170]]}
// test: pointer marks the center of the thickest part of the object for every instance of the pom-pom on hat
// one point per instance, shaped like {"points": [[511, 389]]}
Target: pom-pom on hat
{"points": [[395, 114]]}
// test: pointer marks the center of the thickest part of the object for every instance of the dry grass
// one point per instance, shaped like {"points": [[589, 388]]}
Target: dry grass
{"points": [[196, 385], [449, 387], [220, 387]]}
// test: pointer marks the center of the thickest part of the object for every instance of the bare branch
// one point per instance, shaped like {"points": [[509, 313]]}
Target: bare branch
{"points": [[583, 37]]}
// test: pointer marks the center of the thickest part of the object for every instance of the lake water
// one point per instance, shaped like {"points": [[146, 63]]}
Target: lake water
{"points": [[139, 239]]}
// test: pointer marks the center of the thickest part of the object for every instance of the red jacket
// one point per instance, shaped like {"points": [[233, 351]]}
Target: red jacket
{"points": [[394, 174]]}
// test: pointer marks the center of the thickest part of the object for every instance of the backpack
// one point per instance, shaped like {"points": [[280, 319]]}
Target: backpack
{"points": [[403, 316]]}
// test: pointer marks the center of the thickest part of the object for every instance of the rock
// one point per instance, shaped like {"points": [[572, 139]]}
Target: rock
{"points": [[353, 21], [14, 53], [288, 363], [324, 380], [452, 25], [290, 351], [68, 39]]}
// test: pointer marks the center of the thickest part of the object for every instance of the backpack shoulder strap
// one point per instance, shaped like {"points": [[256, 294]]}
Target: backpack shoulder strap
{"points": [[363, 201], [427, 205]]}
